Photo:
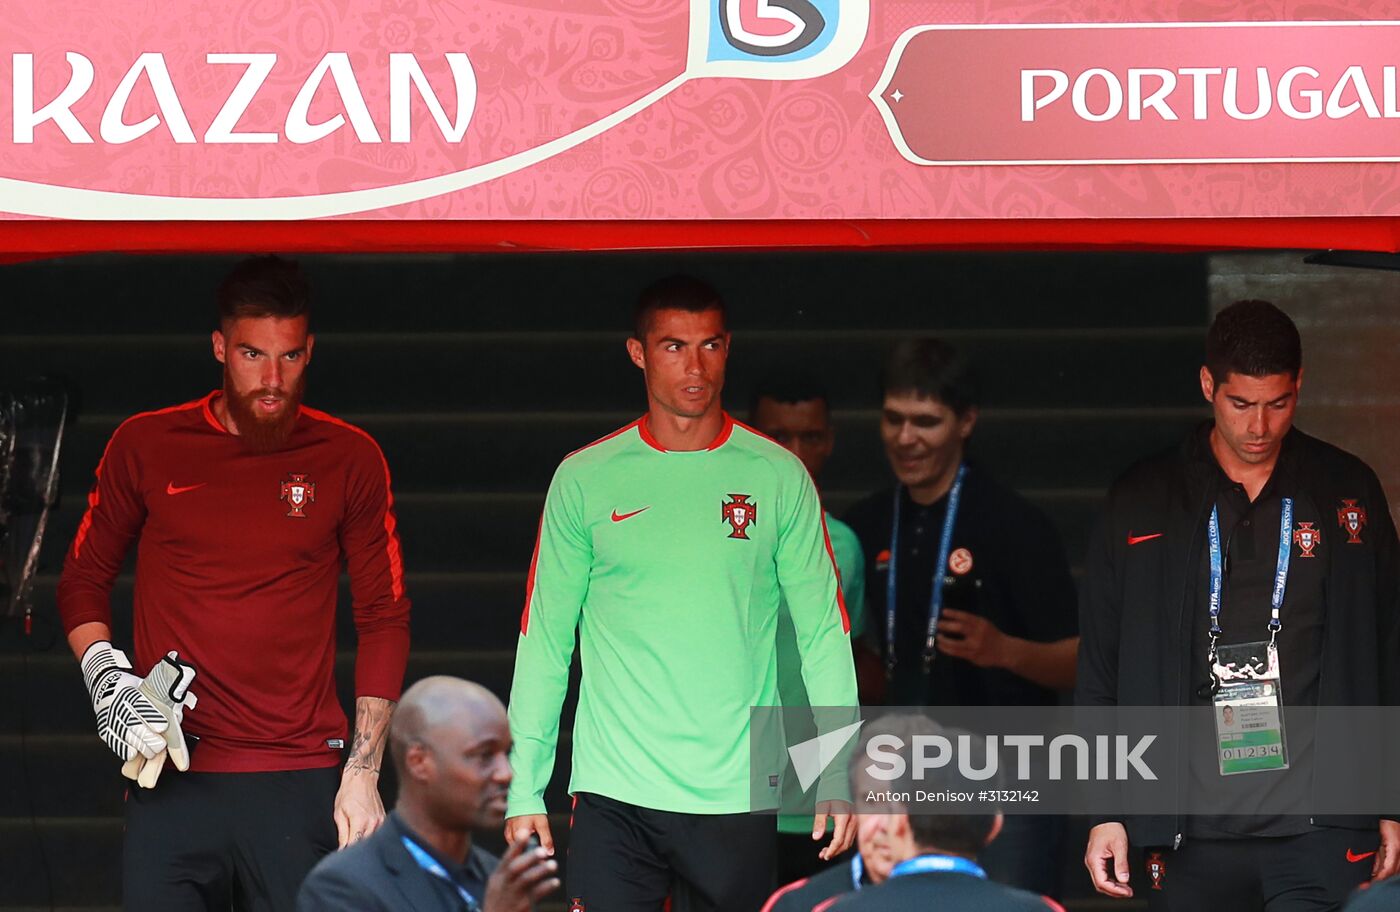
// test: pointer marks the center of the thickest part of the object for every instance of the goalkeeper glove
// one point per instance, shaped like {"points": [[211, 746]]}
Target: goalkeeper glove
{"points": [[127, 720], [168, 688]]}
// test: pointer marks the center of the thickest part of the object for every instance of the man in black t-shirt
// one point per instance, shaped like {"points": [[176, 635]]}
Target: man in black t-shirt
{"points": [[995, 578]]}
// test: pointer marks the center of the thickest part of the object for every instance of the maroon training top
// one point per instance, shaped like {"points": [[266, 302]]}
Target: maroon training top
{"points": [[238, 567]]}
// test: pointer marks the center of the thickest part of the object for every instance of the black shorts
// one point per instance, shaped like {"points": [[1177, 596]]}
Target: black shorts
{"points": [[1314, 872], [213, 840], [624, 858]]}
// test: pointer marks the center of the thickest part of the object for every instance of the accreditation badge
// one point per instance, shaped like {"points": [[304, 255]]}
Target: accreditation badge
{"points": [[1248, 716]]}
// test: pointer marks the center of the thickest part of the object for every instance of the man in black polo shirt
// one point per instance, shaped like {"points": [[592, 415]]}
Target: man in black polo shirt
{"points": [[1252, 562], [449, 743], [991, 580]]}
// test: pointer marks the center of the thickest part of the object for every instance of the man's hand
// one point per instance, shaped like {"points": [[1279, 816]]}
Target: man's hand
{"points": [[843, 830], [518, 829], [1387, 861], [167, 686], [126, 719], [970, 636], [358, 808], [1106, 857], [524, 875]]}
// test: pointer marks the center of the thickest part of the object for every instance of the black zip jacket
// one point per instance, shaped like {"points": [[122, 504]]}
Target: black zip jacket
{"points": [[1134, 622]]}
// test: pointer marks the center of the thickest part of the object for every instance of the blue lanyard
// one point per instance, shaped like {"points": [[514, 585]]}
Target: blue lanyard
{"points": [[1217, 563], [935, 607], [427, 863], [938, 864]]}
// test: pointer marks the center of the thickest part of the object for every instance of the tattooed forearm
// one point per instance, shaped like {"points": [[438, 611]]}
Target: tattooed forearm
{"points": [[371, 734]]}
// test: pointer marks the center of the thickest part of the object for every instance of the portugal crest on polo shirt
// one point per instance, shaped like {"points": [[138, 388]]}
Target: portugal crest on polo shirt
{"points": [[1351, 516], [297, 492], [740, 513], [1307, 538]]}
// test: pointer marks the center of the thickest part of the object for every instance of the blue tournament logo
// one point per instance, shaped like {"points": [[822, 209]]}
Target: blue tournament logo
{"points": [[769, 29]]}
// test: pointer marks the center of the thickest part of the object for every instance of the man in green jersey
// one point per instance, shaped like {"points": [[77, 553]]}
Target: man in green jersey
{"points": [[667, 548], [795, 411]]}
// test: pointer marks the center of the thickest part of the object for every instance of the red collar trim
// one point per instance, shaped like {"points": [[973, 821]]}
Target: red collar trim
{"points": [[725, 431], [209, 416], [644, 429]]}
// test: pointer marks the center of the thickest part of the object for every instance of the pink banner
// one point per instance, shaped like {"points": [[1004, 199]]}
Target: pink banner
{"points": [[1204, 92], [693, 109]]}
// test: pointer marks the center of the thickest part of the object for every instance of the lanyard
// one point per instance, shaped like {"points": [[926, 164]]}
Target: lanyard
{"points": [[935, 607], [857, 871], [1217, 562], [427, 863], [938, 864]]}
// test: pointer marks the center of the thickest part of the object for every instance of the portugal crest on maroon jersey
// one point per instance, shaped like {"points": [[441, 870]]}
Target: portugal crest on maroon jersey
{"points": [[1307, 538], [298, 492], [740, 513], [1351, 516]]}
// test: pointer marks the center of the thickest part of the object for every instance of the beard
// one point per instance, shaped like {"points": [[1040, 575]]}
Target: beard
{"points": [[261, 433]]}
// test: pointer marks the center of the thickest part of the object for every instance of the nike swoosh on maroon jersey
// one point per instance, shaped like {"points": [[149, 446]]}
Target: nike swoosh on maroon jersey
{"points": [[1139, 539], [1353, 857], [619, 517], [171, 489]]}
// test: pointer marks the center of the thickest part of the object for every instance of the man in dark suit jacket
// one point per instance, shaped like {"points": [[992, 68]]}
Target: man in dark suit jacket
{"points": [[449, 741]]}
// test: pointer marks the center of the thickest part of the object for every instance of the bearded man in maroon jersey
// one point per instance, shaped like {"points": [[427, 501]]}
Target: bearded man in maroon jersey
{"points": [[246, 505]]}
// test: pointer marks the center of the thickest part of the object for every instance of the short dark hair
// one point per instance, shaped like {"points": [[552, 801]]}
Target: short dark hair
{"points": [[965, 834], [264, 286], [933, 369], [677, 292], [789, 388], [1253, 338]]}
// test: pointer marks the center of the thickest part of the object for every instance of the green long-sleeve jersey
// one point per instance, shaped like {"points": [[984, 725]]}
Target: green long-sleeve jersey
{"points": [[670, 566]]}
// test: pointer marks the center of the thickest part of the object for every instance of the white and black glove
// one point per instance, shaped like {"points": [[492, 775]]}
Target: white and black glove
{"points": [[127, 720], [168, 688]]}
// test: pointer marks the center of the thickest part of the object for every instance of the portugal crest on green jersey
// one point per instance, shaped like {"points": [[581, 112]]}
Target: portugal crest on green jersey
{"points": [[740, 513]]}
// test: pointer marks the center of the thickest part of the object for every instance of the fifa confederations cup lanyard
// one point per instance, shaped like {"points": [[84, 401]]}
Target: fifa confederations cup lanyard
{"points": [[426, 862], [1217, 573], [935, 606]]}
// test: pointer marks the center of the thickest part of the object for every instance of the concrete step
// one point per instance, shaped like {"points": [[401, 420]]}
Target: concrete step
{"points": [[777, 290], [78, 858]]}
